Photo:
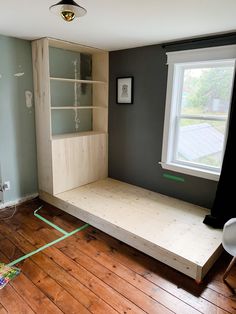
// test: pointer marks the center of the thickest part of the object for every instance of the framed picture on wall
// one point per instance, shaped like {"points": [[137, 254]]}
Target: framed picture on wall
{"points": [[124, 90]]}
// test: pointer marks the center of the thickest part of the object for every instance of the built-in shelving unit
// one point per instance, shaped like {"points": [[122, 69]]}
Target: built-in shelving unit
{"points": [[71, 139]]}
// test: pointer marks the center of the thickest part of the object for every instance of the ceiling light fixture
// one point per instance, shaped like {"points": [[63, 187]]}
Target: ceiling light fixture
{"points": [[68, 10]]}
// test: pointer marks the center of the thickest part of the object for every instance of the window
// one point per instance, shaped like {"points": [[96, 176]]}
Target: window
{"points": [[197, 108]]}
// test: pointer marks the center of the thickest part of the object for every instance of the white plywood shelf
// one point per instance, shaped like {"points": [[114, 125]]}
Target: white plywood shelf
{"points": [[72, 135], [77, 107], [67, 80], [165, 228]]}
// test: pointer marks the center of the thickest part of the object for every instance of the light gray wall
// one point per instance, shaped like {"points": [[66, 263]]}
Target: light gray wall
{"points": [[62, 93], [17, 127], [136, 131]]}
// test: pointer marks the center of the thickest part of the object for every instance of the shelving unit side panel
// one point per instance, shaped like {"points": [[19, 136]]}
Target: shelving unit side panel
{"points": [[78, 161], [100, 66], [40, 56], [100, 92], [100, 120]]}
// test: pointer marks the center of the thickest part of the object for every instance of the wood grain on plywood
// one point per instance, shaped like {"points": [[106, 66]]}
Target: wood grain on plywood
{"points": [[100, 92], [40, 55], [78, 161], [162, 227], [72, 162]]}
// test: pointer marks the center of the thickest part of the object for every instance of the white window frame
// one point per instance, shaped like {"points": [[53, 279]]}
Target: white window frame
{"points": [[175, 61]]}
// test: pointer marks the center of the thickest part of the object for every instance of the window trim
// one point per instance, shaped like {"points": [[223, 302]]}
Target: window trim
{"points": [[182, 59]]}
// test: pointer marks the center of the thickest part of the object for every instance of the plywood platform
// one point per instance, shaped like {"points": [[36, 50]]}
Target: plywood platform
{"points": [[165, 228]]}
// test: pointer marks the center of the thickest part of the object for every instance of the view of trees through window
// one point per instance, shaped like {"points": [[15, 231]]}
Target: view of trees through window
{"points": [[205, 102]]}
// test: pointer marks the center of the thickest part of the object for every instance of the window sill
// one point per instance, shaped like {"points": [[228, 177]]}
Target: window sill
{"points": [[206, 174]]}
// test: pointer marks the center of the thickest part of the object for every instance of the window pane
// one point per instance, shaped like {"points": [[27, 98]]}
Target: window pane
{"points": [[201, 142], [207, 90]]}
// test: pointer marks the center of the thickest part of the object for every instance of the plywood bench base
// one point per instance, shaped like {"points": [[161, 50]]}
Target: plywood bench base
{"points": [[165, 228]]}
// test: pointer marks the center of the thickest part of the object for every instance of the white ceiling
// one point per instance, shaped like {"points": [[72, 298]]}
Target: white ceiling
{"points": [[113, 24]]}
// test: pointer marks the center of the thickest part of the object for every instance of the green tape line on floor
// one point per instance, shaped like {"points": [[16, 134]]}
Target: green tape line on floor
{"points": [[48, 222], [66, 235], [22, 258]]}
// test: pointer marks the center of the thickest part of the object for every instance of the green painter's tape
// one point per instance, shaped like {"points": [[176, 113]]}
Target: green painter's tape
{"points": [[22, 258], [172, 177], [48, 222], [66, 235]]}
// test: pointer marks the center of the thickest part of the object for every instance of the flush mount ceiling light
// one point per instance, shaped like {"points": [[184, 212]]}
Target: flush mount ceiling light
{"points": [[68, 10]]}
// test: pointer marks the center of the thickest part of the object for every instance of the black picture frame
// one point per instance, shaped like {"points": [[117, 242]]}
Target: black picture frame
{"points": [[125, 90]]}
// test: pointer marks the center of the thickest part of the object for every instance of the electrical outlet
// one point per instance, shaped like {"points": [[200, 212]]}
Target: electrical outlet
{"points": [[6, 186]]}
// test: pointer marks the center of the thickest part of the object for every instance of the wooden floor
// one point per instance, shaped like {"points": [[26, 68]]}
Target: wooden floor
{"points": [[92, 272]]}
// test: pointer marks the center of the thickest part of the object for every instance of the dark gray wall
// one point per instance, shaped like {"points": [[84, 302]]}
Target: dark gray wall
{"points": [[136, 131]]}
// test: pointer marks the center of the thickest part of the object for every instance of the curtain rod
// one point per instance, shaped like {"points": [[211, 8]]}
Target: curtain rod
{"points": [[199, 39]]}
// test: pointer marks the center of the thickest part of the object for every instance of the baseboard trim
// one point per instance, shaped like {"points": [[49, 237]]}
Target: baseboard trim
{"points": [[19, 201]]}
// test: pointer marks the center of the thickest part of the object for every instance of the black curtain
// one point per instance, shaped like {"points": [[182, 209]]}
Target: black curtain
{"points": [[224, 204]]}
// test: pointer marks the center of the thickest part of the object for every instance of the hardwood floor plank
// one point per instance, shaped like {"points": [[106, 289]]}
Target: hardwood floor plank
{"points": [[214, 279], [198, 302], [87, 297], [110, 276], [72, 285], [2, 309], [38, 301], [117, 283], [143, 301], [116, 300], [158, 273], [10, 250], [201, 299], [3, 257], [12, 302], [26, 288], [150, 289], [52, 289], [228, 304]]}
